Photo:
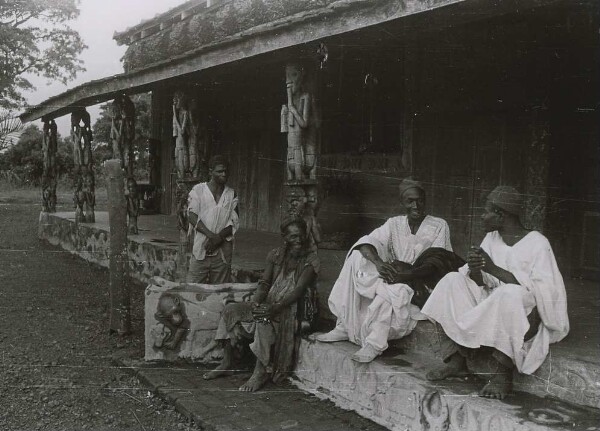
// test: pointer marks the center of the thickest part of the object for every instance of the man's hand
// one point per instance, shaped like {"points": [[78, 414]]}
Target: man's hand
{"points": [[213, 243], [386, 271], [479, 260], [264, 311]]}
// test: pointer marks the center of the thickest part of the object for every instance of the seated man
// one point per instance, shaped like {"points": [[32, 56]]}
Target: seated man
{"points": [[371, 297], [484, 308], [272, 319]]}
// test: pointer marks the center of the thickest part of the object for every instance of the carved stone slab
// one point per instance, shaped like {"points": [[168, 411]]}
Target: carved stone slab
{"points": [[196, 309], [393, 392]]}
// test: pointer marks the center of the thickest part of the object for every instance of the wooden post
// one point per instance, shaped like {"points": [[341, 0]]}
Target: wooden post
{"points": [[120, 301]]}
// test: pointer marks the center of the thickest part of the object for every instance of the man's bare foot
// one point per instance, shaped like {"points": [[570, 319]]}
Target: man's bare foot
{"points": [[256, 381], [499, 386], [222, 370], [456, 366]]}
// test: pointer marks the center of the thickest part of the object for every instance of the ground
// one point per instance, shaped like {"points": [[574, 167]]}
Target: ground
{"points": [[59, 361], [57, 354]]}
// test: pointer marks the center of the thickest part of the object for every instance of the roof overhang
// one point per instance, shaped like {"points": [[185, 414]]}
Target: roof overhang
{"points": [[337, 18]]}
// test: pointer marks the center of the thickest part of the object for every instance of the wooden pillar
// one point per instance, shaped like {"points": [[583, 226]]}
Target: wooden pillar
{"points": [[83, 167], [122, 135], [538, 163], [49, 173], [120, 300]]}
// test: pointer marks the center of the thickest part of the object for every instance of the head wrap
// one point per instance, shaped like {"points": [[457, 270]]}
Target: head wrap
{"points": [[409, 183], [508, 199]]}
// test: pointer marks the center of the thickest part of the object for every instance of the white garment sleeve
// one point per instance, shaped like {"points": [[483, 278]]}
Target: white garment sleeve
{"points": [[545, 281], [443, 237], [380, 239], [234, 222]]}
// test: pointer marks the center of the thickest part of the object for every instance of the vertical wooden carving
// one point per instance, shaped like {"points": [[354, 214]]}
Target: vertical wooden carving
{"points": [[122, 135], [83, 169], [49, 146]]}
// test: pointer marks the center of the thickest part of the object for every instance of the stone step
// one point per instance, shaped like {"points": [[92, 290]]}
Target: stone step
{"points": [[393, 392], [563, 376]]}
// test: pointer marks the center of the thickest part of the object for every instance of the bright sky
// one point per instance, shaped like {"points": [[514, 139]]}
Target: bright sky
{"points": [[98, 20]]}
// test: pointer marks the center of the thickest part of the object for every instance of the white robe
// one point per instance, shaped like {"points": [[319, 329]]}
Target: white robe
{"points": [[370, 310], [497, 316], [216, 216]]}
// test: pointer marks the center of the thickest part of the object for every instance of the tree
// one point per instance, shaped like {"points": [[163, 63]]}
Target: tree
{"points": [[35, 39], [10, 126]]}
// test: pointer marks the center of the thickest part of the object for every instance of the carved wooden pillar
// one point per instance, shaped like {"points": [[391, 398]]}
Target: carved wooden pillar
{"points": [[538, 162], [300, 121], [49, 146], [83, 167], [122, 135]]}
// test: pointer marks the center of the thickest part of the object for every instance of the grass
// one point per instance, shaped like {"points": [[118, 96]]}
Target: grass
{"points": [[27, 194]]}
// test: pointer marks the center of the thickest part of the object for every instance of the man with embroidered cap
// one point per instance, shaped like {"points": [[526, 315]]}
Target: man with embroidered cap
{"points": [[372, 297], [505, 306]]}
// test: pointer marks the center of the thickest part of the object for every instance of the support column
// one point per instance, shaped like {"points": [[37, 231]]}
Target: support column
{"points": [[83, 167], [538, 162], [122, 135], [49, 173], [120, 299]]}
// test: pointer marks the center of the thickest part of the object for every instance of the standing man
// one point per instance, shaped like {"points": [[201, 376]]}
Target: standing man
{"points": [[371, 297], [212, 214], [505, 306]]}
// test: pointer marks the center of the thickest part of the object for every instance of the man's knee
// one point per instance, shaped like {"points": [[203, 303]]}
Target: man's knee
{"points": [[508, 294]]}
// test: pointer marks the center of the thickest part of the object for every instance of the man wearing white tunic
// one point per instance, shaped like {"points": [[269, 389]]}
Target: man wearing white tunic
{"points": [[484, 308], [212, 214], [370, 298]]}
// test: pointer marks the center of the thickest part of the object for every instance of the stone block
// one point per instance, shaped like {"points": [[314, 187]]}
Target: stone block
{"points": [[195, 310], [393, 391]]}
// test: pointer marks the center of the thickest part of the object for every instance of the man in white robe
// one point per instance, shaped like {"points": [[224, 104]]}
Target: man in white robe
{"points": [[212, 215], [489, 303], [370, 298]]}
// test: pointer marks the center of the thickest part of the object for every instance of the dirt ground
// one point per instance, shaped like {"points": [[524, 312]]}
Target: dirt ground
{"points": [[57, 372]]}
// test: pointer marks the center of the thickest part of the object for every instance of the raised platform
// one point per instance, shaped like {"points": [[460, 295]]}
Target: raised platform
{"points": [[393, 392], [570, 373]]}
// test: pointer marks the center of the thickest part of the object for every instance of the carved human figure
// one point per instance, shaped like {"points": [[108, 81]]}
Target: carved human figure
{"points": [[170, 312], [181, 133], [181, 199], [296, 200], [122, 131], [49, 147], [79, 200], [310, 217], [133, 206], [197, 142], [295, 121], [89, 195], [77, 133]]}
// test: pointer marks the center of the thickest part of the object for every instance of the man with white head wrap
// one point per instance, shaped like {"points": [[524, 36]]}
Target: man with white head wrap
{"points": [[486, 309], [371, 297]]}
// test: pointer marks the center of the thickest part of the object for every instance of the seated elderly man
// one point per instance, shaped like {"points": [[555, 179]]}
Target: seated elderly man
{"points": [[486, 309], [372, 297]]}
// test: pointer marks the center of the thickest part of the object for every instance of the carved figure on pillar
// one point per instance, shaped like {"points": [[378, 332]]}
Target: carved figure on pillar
{"points": [[181, 199], [81, 138], [49, 147], [303, 203], [133, 206], [181, 133], [122, 131], [310, 217], [296, 122], [197, 142], [79, 200], [89, 195]]}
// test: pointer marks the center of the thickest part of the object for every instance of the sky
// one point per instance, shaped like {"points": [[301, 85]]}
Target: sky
{"points": [[97, 22]]}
